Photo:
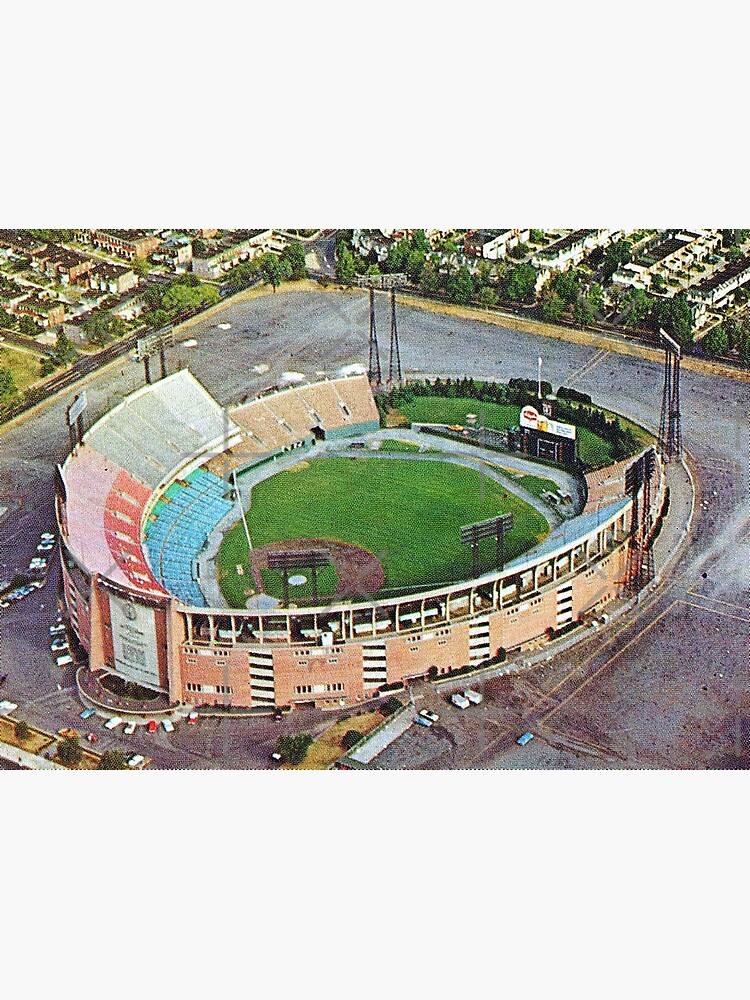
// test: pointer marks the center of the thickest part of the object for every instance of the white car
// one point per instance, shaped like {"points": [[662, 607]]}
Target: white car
{"points": [[56, 628], [129, 729], [113, 723], [427, 714], [6, 707], [135, 760], [167, 725], [47, 536], [45, 546]]}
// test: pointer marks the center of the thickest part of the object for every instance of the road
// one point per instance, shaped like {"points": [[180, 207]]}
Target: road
{"points": [[319, 331]]}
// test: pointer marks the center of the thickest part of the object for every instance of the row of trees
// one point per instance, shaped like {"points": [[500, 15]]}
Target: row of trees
{"points": [[182, 295], [730, 337], [272, 268]]}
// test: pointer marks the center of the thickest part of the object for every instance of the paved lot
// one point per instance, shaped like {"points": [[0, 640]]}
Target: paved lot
{"points": [[618, 713]]}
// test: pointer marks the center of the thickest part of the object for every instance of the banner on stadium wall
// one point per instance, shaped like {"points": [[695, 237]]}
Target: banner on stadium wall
{"points": [[531, 418], [134, 641]]}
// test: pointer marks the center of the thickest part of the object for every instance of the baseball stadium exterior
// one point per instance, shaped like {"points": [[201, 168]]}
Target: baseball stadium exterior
{"points": [[149, 484]]}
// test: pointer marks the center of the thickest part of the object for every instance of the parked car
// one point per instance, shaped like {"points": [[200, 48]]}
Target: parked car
{"points": [[3, 678], [136, 760], [459, 701], [427, 714], [92, 738], [56, 628], [113, 723], [6, 707], [47, 536], [422, 721], [45, 546], [474, 696], [59, 644], [192, 719], [129, 729], [167, 725], [87, 713], [523, 740], [151, 726]]}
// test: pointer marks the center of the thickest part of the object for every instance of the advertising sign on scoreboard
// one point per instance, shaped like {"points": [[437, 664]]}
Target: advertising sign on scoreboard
{"points": [[531, 418], [134, 641]]}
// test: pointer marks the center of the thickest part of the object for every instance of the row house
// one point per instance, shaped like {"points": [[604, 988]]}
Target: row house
{"points": [[716, 291], [112, 278], [65, 266], [241, 246], [45, 312], [131, 244], [571, 249], [669, 257], [494, 244]]}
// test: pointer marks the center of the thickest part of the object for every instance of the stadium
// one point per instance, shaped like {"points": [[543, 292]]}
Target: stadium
{"points": [[291, 552]]}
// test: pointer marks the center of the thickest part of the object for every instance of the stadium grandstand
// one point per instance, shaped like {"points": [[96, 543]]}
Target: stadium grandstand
{"points": [[150, 487]]}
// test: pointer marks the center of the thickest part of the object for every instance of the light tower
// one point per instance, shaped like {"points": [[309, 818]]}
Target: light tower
{"points": [[670, 432]]}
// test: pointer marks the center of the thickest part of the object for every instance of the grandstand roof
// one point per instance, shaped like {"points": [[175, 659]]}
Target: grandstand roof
{"points": [[162, 426]]}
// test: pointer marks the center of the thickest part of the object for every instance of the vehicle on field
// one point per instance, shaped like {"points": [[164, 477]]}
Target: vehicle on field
{"points": [[427, 714], [474, 696], [459, 701], [87, 713], [167, 725], [422, 721], [129, 729], [113, 723], [524, 739]]}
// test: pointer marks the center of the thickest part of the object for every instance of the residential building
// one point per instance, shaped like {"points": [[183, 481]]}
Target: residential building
{"points": [[715, 291], [45, 312], [13, 243], [243, 245], [65, 266], [113, 278], [571, 249], [494, 244], [671, 256], [127, 243]]}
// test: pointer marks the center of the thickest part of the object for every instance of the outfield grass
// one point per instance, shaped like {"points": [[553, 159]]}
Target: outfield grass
{"points": [[592, 449], [402, 446], [535, 485], [440, 410], [408, 514]]}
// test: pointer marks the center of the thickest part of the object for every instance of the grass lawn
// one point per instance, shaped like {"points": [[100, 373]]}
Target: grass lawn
{"points": [[34, 744], [407, 513], [403, 446], [440, 410], [327, 748], [535, 485], [26, 368], [592, 449]]}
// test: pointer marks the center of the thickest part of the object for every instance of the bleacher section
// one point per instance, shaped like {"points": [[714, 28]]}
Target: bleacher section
{"points": [[177, 530], [331, 408], [160, 426]]}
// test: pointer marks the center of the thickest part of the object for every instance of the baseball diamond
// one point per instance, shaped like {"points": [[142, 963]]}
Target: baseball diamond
{"points": [[159, 504]]}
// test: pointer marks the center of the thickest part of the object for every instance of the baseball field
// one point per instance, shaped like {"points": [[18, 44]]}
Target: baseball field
{"points": [[407, 514]]}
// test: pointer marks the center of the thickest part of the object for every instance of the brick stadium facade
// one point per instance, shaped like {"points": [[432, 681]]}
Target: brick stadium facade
{"points": [[132, 625]]}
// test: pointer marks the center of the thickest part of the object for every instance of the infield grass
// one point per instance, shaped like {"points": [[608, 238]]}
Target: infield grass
{"points": [[406, 513]]}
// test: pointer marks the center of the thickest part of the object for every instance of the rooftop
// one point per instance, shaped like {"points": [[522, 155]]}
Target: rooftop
{"points": [[566, 243]]}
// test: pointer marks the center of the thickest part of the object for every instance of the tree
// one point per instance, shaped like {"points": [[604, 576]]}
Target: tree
{"points": [[596, 297], [64, 350], [69, 751], [7, 322], [8, 387], [415, 265], [158, 318], [716, 341], [294, 749], [552, 307], [735, 253], [350, 739], [112, 760], [582, 313], [520, 282], [23, 731], [27, 326], [294, 253], [389, 706], [429, 279], [140, 265], [567, 286], [460, 288], [636, 306], [487, 296], [199, 247], [345, 266], [536, 236], [675, 315], [615, 256]]}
